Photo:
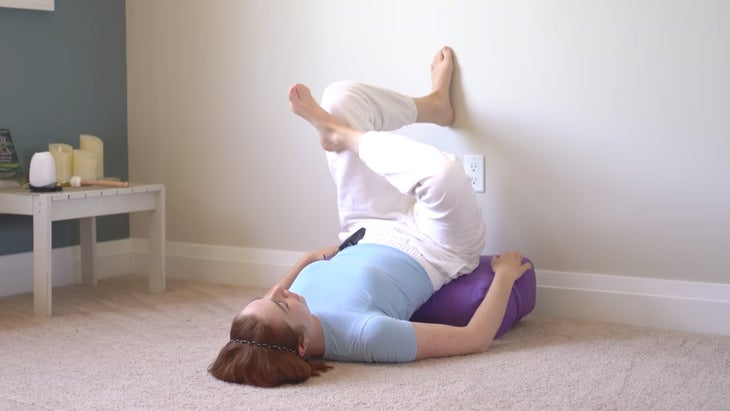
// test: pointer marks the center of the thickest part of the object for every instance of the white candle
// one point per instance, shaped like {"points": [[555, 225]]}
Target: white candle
{"points": [[63, 155], [94, 145], [84, 165]]}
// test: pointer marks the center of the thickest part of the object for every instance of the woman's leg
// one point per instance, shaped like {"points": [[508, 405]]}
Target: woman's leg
{"points": [[361, 193], [348, 108], [446, 217], [444, 211]]}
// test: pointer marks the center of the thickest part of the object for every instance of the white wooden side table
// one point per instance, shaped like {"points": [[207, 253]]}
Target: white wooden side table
{"points": [[86, 203]]}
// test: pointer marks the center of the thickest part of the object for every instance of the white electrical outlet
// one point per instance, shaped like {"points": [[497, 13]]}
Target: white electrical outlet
{"points": [[474, 169]]}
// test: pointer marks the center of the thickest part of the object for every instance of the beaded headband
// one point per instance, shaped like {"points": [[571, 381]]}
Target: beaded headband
{"points": [[265, 345]]}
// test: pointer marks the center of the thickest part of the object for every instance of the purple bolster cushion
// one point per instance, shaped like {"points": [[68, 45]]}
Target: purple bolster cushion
{"points": [[456, 302]]}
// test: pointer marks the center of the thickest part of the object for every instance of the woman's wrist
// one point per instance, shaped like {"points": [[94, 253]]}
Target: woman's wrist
{"points": [[505, 276]]}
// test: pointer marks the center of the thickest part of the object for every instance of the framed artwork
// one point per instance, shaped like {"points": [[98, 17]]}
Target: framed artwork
{"points": [[29, 4]]}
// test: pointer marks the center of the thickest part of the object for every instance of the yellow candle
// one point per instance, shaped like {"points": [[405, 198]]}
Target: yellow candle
{"points": [[63, 156], [84, 165], [94, 145]]}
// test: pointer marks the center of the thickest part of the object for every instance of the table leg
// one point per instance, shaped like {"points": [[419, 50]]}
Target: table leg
{"points": [[156, 245], [87, 229], [42, 252]]}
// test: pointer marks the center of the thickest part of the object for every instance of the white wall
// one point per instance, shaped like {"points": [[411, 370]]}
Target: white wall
{"points": [[604, 124]]}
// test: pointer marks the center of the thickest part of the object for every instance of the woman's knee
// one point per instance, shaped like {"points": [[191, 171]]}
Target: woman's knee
{"points": [[338, 95], [448, 179], [348, 102]]}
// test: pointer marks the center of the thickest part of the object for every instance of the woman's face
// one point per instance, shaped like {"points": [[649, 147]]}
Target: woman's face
{"points": [[281, 305]]}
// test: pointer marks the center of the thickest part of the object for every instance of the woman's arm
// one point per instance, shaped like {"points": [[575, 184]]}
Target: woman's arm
{"points": [[439, 340], [324, 253]]}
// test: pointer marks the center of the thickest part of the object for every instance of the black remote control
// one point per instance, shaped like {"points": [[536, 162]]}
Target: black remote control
{"points": [[353, 239]]}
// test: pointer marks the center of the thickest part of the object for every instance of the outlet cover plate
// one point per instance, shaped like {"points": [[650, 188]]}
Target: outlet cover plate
{"points": [[474, 169]]}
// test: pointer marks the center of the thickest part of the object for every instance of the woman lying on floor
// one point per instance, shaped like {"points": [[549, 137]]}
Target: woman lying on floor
{"points": [[423, 229]]}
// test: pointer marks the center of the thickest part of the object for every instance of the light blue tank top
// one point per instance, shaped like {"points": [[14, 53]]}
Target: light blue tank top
{"points": [[364, 297]]}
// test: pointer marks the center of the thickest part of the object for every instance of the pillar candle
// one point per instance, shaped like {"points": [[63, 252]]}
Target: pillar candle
{"points": [[84, 165], [63, 155], [94, 145]]}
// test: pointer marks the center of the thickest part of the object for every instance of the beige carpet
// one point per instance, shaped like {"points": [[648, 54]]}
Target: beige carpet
{"points": [[117, 347]]}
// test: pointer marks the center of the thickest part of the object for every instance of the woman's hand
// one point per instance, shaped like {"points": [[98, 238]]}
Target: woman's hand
{"points": [[324, 253], [509, 264]]}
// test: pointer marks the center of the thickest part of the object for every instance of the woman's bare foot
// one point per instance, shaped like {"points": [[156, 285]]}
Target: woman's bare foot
{"points": [[333, 135], [436, 107]]}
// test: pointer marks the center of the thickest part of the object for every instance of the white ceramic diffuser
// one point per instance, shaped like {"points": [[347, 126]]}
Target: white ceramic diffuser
{"points": [[42, 170]]}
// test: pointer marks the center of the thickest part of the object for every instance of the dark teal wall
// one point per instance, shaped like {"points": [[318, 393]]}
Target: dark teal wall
{"points": [[63, 73]]}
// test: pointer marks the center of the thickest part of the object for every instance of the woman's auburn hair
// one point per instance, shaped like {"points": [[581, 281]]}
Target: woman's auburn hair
{"points": [[263, 366]]}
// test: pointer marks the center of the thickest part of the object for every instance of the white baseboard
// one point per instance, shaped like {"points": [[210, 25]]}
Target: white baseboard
{"points": [[16, 270], [668, 304], [651, 302], [248, 267]]}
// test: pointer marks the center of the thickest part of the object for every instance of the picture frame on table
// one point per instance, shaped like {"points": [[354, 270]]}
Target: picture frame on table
{"points": [[11, 173]]}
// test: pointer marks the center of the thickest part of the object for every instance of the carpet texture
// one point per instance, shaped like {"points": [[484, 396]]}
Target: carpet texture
{"points": [[116, 347]]}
